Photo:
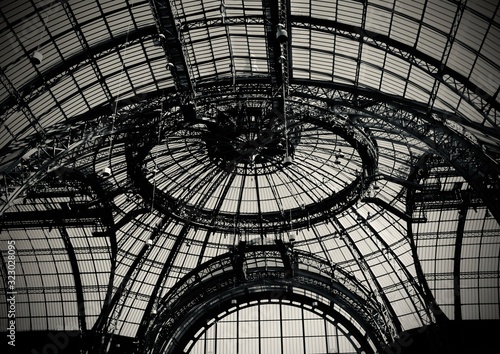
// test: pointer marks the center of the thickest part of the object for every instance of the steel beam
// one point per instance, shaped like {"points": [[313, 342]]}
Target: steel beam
{"points": [[172, 42], [75, 269], [200, 286], [400, 214], [154, 298], [52, 218], [109, 318], [484, 103], [457, 150], [40, 84], [457, 260]]}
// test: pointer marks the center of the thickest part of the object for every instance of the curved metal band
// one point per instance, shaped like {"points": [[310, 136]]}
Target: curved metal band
{"points": [[289, 273]]}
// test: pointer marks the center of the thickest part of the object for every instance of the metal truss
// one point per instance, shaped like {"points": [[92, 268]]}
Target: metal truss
{"points": [[219, 22], [459, 151], [415, 177], [421, 300], [447, 200], [108, 322], [142, 141], [453, 80], [41, 84], [334, 316], [217, 279], [446, 54], [484, 103], [52, 218], [172, 41], [80, 300], [46, 157], [20, 103], [87, 49], [432, 197], [465, 275], [369, 106], [167, 267], [284, 59], [82, 141], [410, 118], [371, 278], [68, 143], [63, 289]]}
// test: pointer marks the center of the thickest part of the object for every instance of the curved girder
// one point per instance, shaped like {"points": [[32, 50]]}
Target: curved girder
{"points": [[465, 156], [457, 259], [210, 92], [484, 103], [279, 294], [217, 277], [366, 97], [109, 316], [213, 219], [75, 269], [172, 43], [100, 206], [102, 199], [421, 289], [40, 84], [87, 132], [433, 129], [154, 299], [335, 95], [368, 102], [356, 254], [415, 177], [433, 137], [457, 82], [472, 162]]}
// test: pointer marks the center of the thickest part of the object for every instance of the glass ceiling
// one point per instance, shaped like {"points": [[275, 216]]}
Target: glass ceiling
{"points": [[370, 138]]}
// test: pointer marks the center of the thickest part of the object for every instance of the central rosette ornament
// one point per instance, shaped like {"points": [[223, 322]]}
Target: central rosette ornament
{"points": [[244, 137]]}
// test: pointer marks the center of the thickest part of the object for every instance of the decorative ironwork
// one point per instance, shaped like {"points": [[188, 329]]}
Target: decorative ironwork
{"points": [[209, 284], [260, 153]]}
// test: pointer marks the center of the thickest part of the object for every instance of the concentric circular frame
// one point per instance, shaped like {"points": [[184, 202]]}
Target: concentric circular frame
{"points": [[172, 123]]}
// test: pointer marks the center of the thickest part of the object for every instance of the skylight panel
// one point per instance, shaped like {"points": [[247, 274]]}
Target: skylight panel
{"points": [[346, 47], [43, 103], [392, 84], [470, 112], [142, 14], [369, 76], [431, 42], [413, 9], [344, 69], [132, 55], [93, 33], [404, 30], [323, 9], [378, 20], [486, 76], [19, 78], [16, 11], [348, 12], [300, 7], [472, 30], [461, 59], [440, 14]]}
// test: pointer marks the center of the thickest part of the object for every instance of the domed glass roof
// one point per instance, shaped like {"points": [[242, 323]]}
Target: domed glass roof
{"points": [[152, 137]]}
